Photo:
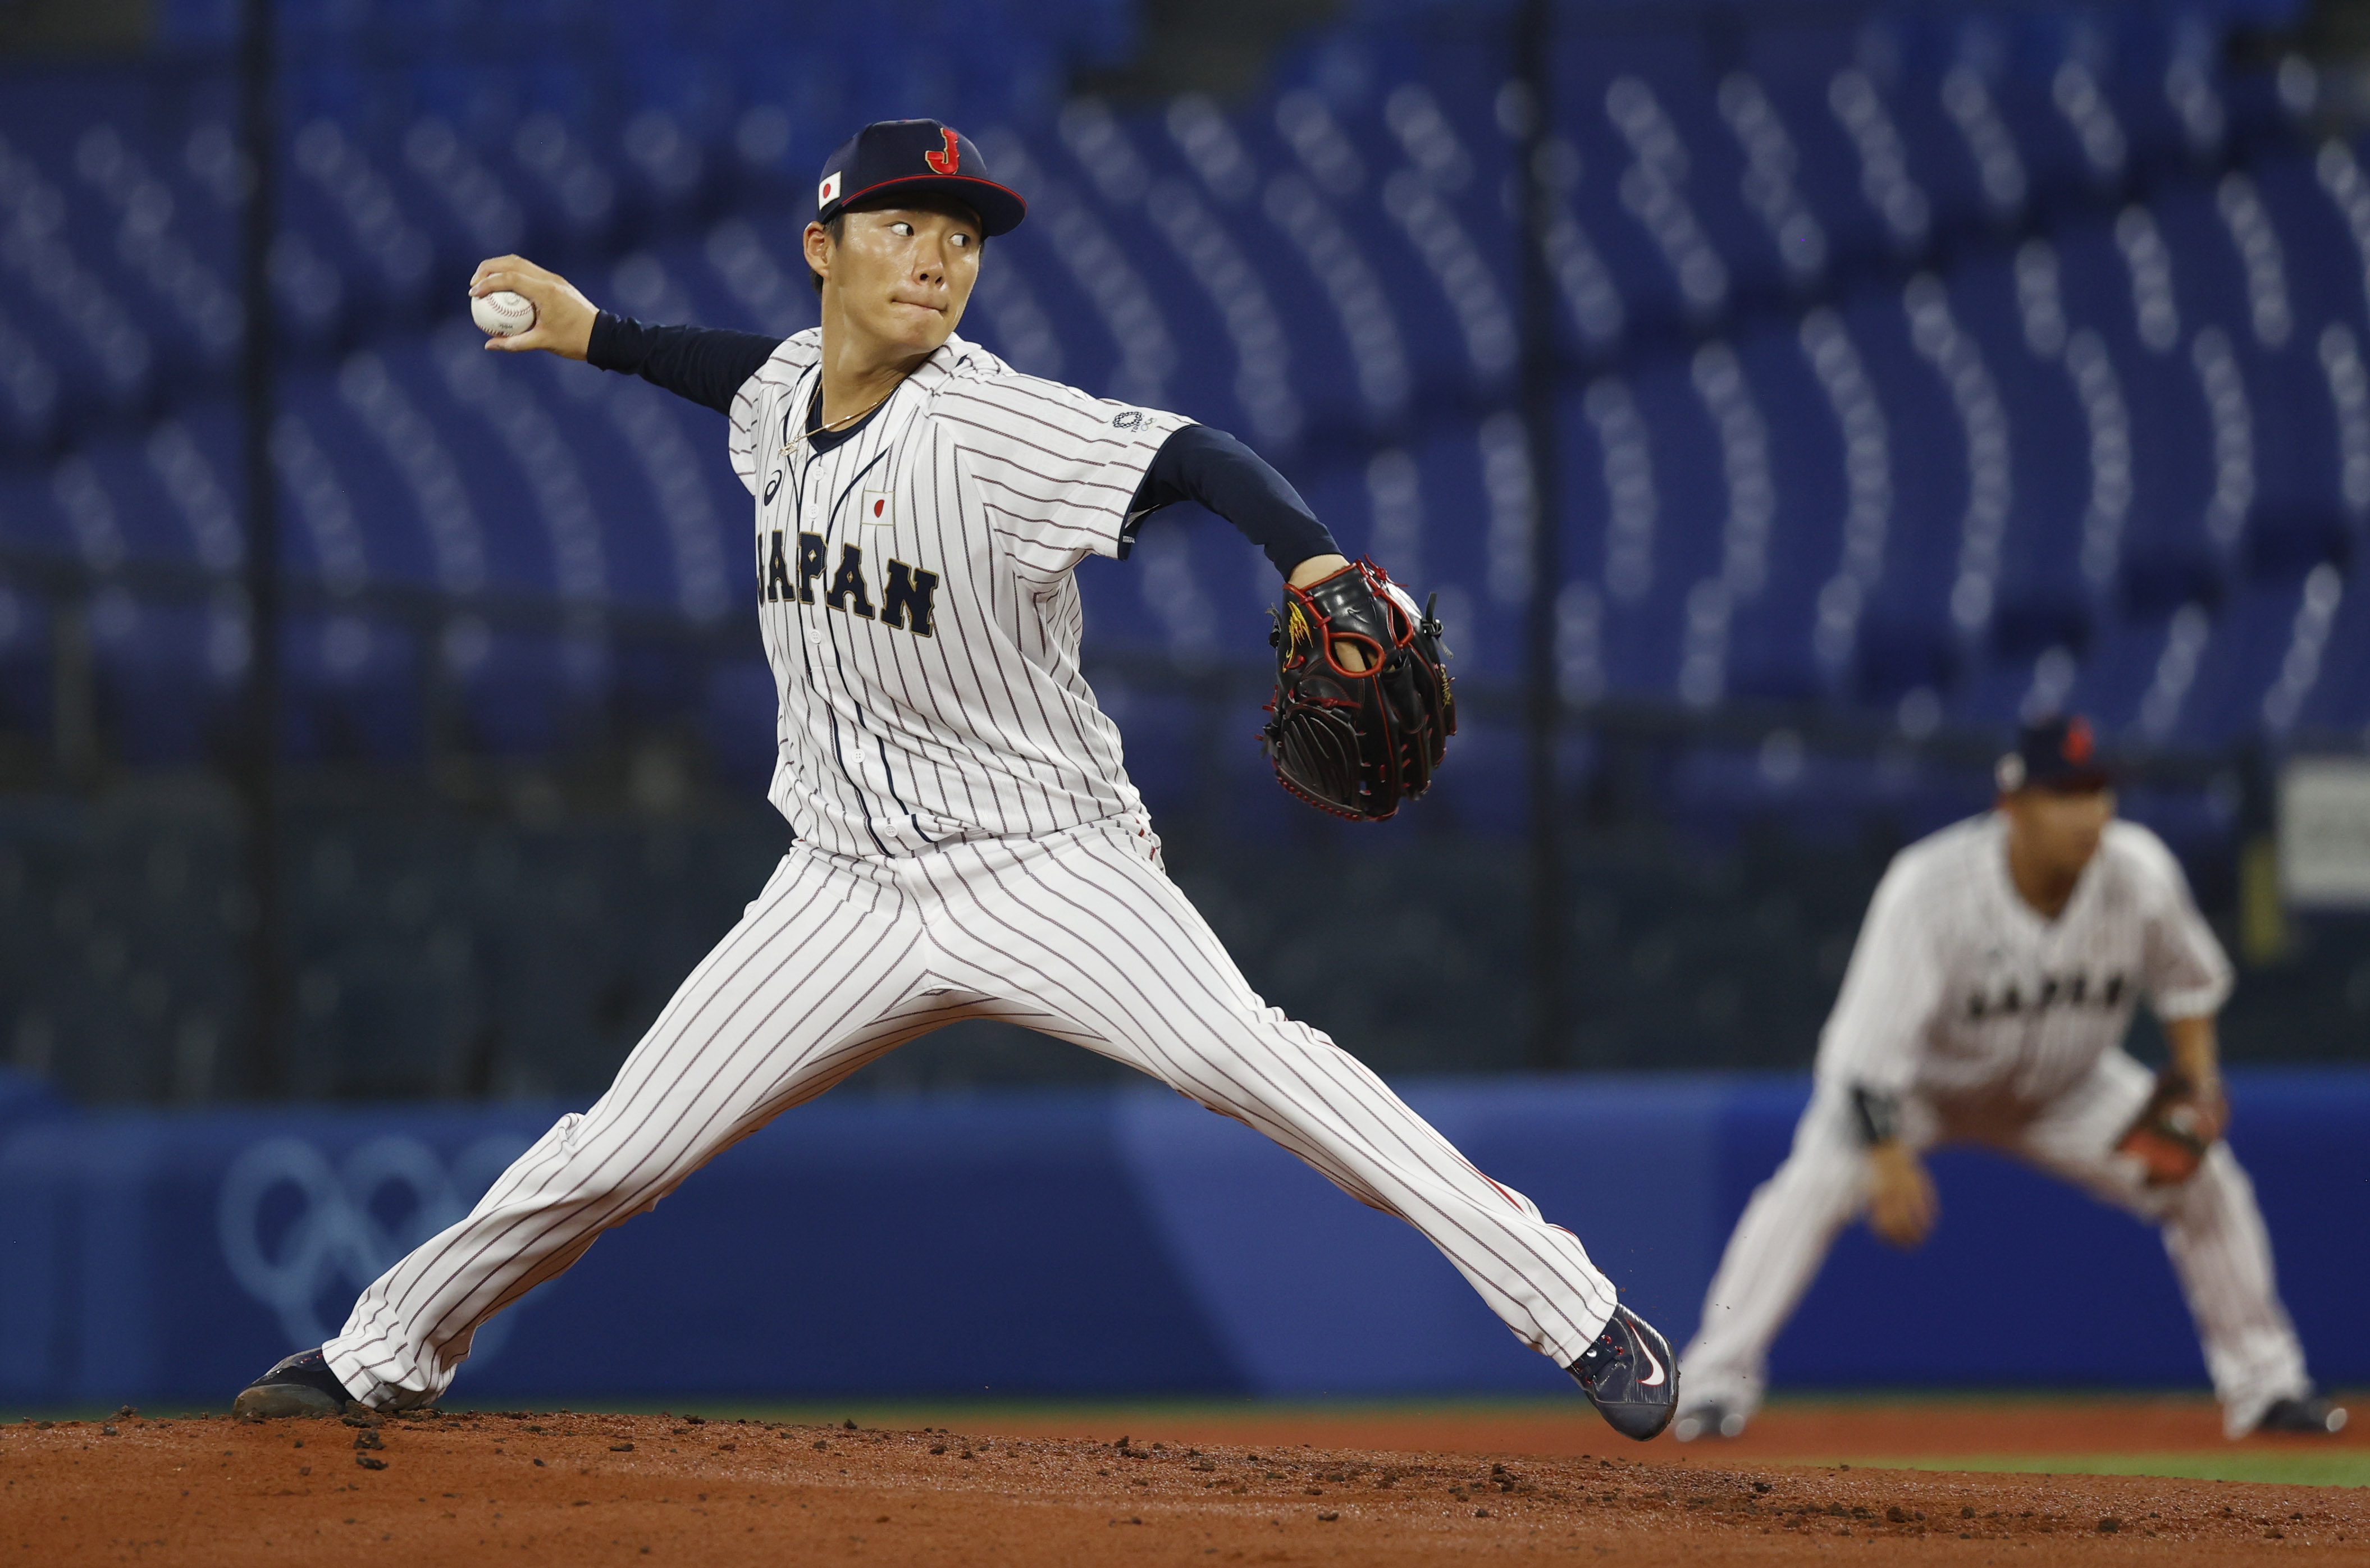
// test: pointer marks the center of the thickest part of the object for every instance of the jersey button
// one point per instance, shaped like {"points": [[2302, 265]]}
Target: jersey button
{"points": [[814, 635]]}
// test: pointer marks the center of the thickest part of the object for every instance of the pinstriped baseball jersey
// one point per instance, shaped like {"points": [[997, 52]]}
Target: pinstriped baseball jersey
{"points": [[1960, 997], [916, 598], [970, 847], [1958, 984]]}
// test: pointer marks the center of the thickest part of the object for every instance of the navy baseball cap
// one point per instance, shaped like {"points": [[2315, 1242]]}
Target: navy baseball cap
{"points": [[2059, 754], [893, 156]]}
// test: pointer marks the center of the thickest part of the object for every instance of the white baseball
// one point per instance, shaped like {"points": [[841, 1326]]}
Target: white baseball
{"points": [[501, 314]]}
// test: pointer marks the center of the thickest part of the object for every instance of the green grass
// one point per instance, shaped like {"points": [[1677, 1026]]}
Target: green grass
{"points": [[2293, 1466]]}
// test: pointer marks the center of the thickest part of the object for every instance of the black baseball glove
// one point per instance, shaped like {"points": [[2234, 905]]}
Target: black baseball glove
{"points": [[1357, 741]]}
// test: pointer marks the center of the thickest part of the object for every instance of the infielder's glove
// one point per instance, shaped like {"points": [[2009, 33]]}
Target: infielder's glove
{"points": [[2172, 1132], [1357, 742]]}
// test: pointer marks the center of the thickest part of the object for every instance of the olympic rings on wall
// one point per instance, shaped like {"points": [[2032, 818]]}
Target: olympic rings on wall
{"points": [[352, 1221]]}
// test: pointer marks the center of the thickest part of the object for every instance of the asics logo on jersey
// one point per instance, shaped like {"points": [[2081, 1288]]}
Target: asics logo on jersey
{"points": [[2051, 990], [908, 594], [950, 159]]}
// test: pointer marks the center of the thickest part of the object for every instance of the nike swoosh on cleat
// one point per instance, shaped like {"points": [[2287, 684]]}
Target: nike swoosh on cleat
{"points": [[1656, 1381]]}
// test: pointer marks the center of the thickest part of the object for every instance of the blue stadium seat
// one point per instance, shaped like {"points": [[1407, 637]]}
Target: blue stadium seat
{"points": [[2337, 706], [1772, 652], [2141, 672], [2252, 637], [1768, 422]]}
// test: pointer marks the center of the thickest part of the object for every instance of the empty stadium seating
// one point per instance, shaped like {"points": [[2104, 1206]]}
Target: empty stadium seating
{"points": [[1936, 366], [1915, 370]]}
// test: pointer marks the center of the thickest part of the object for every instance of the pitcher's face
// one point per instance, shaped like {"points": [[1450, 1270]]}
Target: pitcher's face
{"points": [[899, 276]]}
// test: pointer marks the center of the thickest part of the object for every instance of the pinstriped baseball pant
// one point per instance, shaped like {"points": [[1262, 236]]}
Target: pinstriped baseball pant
{"points": [[839, 960], [2213, 1231]]}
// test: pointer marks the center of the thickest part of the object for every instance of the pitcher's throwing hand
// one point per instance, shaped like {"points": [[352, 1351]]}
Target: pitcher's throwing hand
{"points": [[967, 843]]}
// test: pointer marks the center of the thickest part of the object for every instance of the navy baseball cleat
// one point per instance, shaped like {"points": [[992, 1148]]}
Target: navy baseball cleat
{"points": [[1630, 1377], [301, 1385], [2317, 1416]]}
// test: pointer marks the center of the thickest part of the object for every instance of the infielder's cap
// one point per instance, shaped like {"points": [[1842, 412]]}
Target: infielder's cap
{"points": [[892, 155], [2059, 754]]}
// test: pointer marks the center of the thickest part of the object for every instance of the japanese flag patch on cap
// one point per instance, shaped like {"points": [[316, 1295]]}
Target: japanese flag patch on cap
{"points": [[892, 156]]}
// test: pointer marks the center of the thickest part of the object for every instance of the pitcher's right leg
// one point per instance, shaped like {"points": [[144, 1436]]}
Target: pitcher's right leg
{"points": [[811, 984]]}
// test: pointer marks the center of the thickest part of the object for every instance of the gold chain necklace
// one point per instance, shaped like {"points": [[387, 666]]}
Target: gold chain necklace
{"points": [[829, 425], [833, 426]]}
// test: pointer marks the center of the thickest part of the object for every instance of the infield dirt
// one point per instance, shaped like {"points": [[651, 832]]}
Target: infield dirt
{"points": [[589, 1489]]}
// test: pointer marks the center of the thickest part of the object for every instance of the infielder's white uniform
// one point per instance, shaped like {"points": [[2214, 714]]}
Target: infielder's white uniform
{"points": [[1996, 1026], [968, 845]]}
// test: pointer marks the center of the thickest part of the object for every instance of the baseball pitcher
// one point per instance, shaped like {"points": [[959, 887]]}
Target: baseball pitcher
{"points": [[967, 843], [1985, 1003]]}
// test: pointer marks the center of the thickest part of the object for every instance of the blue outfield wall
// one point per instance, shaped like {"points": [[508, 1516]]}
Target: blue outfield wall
{"points": [[1090, 1243]]}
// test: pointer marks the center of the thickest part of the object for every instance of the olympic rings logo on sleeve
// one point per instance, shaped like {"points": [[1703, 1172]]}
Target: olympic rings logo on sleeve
{"points": [[304, 1236]]}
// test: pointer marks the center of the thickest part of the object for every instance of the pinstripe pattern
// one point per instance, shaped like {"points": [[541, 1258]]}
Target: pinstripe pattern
{"points": [[842, 958], [1958, 984], [968, 846], [997, 484], [2047, 1084], [2212, 1232]]}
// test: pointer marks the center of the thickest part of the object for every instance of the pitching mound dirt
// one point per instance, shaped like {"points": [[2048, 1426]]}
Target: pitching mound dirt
{"points": [[580, 1489]]}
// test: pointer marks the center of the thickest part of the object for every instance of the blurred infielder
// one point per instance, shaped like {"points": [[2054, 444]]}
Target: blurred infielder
{"points": [[1985, 1003], [967, 843]]}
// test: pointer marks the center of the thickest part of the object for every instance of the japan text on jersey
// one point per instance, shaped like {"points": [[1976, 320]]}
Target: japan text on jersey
{"points": [[1957, 985], [914, 590]]}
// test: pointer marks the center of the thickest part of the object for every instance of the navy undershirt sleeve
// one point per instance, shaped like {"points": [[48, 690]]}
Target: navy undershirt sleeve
{"points": [[1199, 464], [706, 364]]}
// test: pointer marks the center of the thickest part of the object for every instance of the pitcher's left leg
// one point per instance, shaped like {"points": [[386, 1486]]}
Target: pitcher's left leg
{"points": [[1090, 931], [2213, 1231]]}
